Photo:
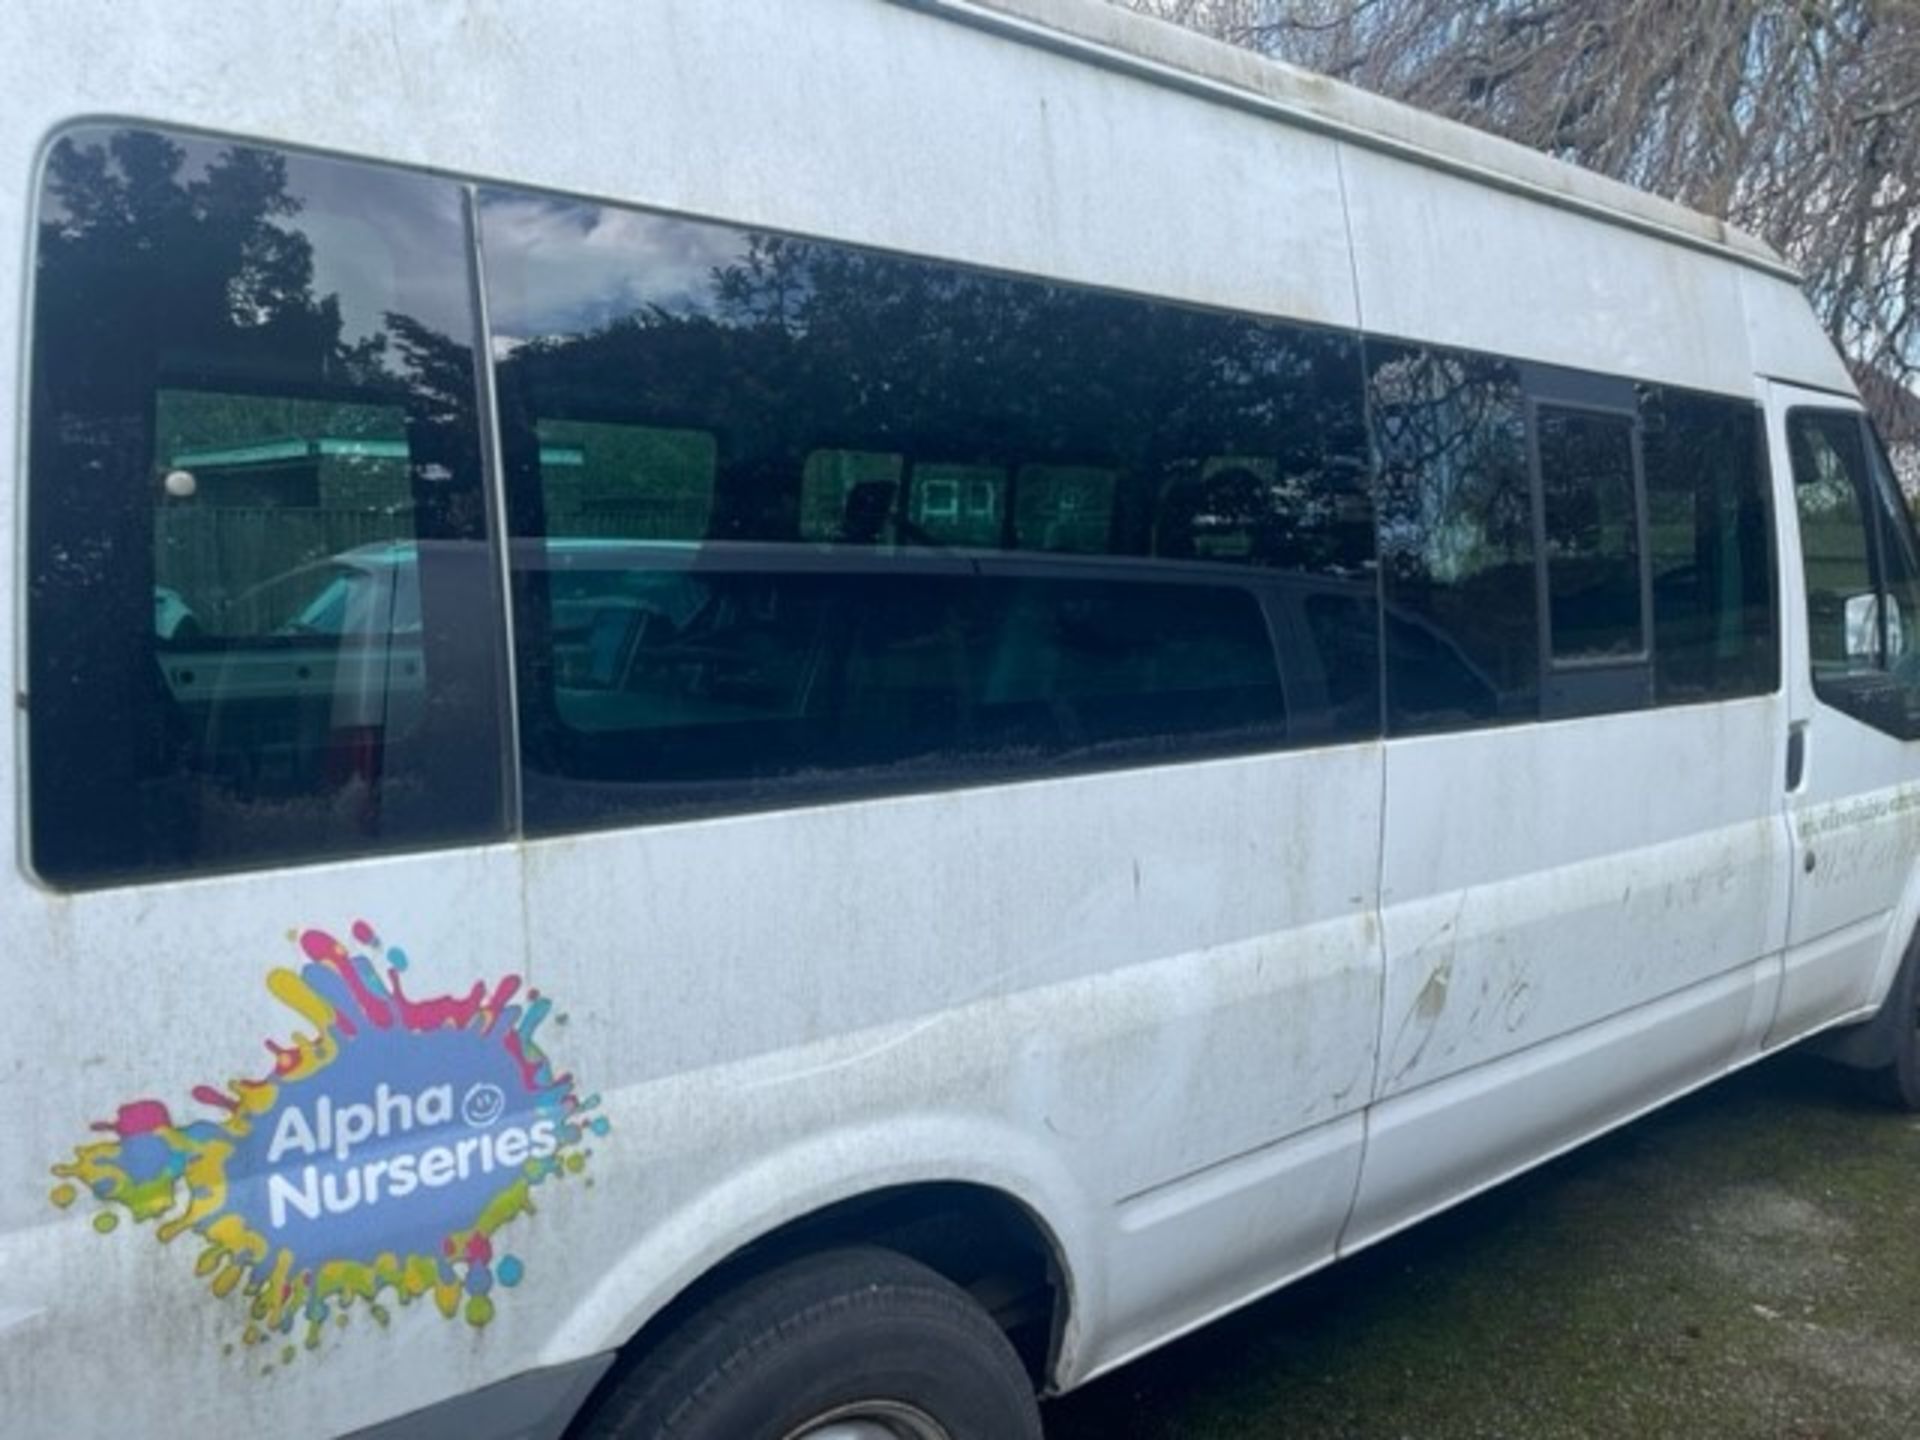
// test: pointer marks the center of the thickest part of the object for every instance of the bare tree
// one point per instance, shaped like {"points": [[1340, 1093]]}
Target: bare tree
{"points": [[1798, 120]]}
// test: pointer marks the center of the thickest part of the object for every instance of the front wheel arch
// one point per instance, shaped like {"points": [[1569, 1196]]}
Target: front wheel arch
{"points": [[1884, 1050], [1895, 1080]]}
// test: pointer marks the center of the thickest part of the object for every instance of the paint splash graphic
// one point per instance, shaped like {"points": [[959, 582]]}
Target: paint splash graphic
{"points": [[376, 1163]]}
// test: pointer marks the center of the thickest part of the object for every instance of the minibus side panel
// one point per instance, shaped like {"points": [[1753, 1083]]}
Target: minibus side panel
{"points": [[1154, 977], [1448, 261], [1595, 895], [137, 998]]}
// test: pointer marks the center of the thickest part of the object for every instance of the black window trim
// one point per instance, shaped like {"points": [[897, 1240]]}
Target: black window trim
{"points": [[1549, 662], [1576, 686], [1868, 494]]}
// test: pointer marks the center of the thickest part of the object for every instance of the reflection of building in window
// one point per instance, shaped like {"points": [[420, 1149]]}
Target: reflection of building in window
{"points": [[277, 483], [269, 452], [848, 496], [1063, 508], [1456, 534], [1451, 437], [957, 504]]}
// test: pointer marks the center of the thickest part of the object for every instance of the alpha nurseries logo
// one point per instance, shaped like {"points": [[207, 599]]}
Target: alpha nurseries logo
{"points": [[379, 1161], [381, 1125]]}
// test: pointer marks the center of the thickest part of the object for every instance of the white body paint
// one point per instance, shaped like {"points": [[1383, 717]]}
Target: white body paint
{"points": [[1214, 1024]]}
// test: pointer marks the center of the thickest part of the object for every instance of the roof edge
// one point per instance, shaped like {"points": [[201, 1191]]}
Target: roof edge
{"points": [[1102, 33]]}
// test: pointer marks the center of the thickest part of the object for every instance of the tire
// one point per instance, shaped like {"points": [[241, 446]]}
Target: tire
{"points": [[846, 1336], [1897, 1083]]}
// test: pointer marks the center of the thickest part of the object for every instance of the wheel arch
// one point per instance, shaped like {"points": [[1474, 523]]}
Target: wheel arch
{"points": [[998, 1233], [1869, 1044]]}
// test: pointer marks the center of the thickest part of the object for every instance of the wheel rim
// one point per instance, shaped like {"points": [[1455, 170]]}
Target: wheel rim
{"points": [[872, 1420]]}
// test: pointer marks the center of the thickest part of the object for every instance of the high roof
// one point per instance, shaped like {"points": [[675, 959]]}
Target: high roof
{"points": [[1104, 34]]}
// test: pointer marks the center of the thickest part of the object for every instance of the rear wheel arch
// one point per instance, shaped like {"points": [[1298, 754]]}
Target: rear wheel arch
{"points": [[983, 1240], [850, 1339]]}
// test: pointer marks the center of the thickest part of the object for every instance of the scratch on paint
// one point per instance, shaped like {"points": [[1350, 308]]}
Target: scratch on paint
{"points": [[460, 1113]]}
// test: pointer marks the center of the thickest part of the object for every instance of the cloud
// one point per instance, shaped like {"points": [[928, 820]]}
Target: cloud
{"points": [[383, 240], [560, 267]]}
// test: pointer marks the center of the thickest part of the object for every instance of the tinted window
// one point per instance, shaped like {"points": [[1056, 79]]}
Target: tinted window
{"points": [[1838, 538], [739, 676], [1710, 539], [955, 525], [257, 551], [1456, 538], [1592, 529]]}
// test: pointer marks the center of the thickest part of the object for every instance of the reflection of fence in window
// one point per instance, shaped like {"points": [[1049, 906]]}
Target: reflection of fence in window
{"points": [[619, 481], [273, 483]]}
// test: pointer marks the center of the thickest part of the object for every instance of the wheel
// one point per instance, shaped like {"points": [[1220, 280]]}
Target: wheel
{"points": [[855, 1344], [1897, 1082]]}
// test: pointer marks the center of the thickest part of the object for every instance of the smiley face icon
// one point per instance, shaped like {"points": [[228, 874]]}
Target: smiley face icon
{"points": [[482, 1105]]}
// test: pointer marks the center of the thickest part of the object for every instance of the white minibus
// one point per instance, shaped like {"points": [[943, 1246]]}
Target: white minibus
{"points": [[795, 722]]}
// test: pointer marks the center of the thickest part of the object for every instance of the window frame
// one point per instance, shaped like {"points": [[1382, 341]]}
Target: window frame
{"points": [[1575, 686], [1873, 695], [478, 662]]}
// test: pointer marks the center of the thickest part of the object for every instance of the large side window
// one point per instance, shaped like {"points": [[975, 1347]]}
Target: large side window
{"points": [[1710, 537], [1456, 539], [259, 608], [951, 526], [1862, 572]]}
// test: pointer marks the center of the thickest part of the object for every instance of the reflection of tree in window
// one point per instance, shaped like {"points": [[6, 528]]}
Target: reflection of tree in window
{"points": [[1710, 544], [1456, 537], [909, 408], [799, 348], [1835, 533]]}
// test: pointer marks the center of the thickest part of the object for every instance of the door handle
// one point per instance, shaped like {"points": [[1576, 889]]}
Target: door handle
{"points": [[1796, 755]]}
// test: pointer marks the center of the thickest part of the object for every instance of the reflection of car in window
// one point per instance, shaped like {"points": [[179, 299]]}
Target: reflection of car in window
{"points": [[173, 618], [374, 589], [316, 668]]}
